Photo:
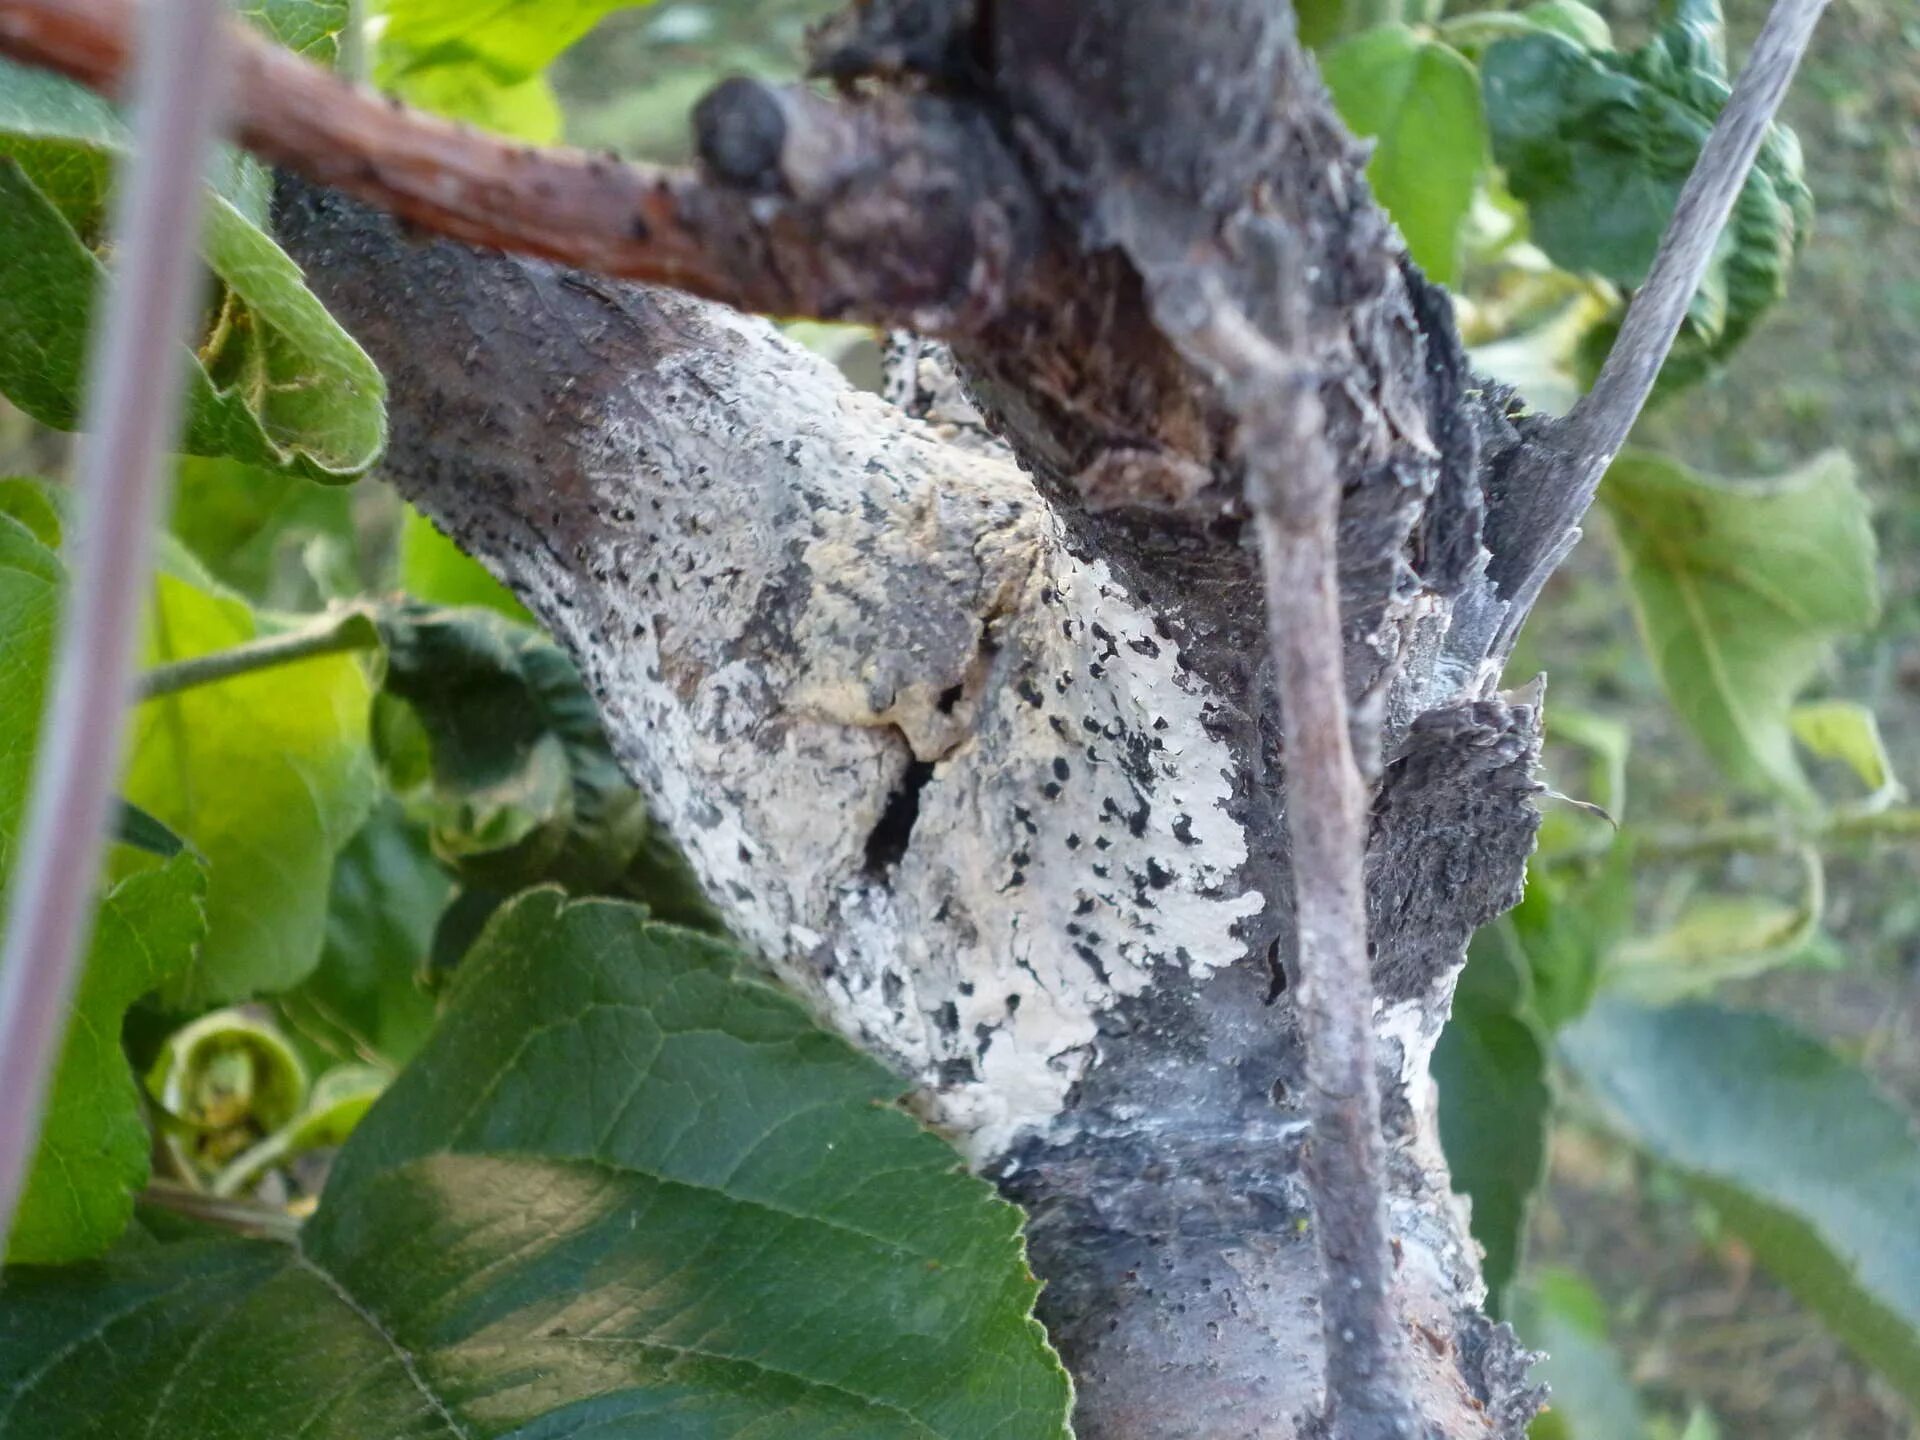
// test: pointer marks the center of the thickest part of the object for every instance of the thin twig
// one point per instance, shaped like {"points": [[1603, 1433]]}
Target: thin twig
{"points": [[332, 634], [133, 414], [929, 215], [1293, 486], [1548, 504]]}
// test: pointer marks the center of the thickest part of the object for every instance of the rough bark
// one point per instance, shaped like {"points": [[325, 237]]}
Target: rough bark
{"points": [[1004, 807]]}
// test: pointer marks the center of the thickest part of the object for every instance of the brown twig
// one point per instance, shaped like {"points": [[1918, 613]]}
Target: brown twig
{"points": [[1293, 489], [133, 414], [894, 210]]}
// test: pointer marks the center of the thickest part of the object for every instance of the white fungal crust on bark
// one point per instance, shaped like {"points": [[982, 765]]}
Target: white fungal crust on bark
{"points": [[973, 796], [883, 621]]}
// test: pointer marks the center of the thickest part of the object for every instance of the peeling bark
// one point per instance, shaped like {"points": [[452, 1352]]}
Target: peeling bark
{"points": [[1005, 810]]}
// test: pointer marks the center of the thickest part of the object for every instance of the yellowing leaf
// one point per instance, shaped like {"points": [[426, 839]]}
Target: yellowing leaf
{"points": [[1739, 587]]}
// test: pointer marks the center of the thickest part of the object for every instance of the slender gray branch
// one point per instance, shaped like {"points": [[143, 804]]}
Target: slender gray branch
{"points": [[1565, 472], [133, 409], [1293, 485]]}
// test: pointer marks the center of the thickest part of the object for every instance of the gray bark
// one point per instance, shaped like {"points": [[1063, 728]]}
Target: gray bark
{"points": [[995, 783]]}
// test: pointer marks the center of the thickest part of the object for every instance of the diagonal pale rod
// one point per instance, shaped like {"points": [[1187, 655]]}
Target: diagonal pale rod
{"points": [[133, 416]]}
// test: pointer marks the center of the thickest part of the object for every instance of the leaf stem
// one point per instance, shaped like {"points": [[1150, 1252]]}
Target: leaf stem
{"points": [[335, 633], [133, 414], [1756, 834], [246, 1217]]}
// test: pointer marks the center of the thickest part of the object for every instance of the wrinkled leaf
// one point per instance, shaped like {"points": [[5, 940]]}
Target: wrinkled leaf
{"points": [[1418, 100], [366, 1000], [275, 383], [93, 1154], [1598, 145], [267, 775], [621, 1191], [525, 788], [1738, 588], [1799, 1154], [1844, 731], [339, 1101], [1592, 1399], [1490, 1068]]}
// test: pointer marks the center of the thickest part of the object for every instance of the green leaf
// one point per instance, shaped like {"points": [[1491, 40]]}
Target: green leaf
{"points": [[267, 775], [525, 788], [1718, 938], [137, 828], [1566, 926], [1490, 1067], [483, 63], [1590, 1396], [1418, 100], [221, 1083], [93, 1149], [339, 1101], [434, 569], [1598, 145], [275, 383], [277, 539], [307, 27], [1801, 1156], [1848, 732], [92, 1157], [1738, 588], [366, 1000], [622, 1192]]}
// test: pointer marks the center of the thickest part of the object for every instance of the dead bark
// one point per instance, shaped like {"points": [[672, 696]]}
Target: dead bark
{"points": [[984, 757], [1006, 812]]}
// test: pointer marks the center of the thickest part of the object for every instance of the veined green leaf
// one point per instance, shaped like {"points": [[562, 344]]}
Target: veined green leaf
{"points": [[275, 382], [307, 27], [622, 1190], [1417, 99], [1739, 587], [267, 774], [1720, 937], [92, 1156], [1798, 1152]]}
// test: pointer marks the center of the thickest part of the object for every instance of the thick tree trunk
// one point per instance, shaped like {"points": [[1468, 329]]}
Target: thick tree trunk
{"points": [[994, 782]]}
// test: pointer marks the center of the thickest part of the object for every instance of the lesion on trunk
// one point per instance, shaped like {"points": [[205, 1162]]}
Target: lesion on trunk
{"points": [[994, 781]]}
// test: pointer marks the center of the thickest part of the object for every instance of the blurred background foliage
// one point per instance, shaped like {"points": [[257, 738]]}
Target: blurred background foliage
{"points": [[1681, 1082]]}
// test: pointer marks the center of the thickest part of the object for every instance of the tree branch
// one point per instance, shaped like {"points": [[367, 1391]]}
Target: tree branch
{"points": [[1293, 487], [133, 414], [1562, 470], [895, 210]]}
